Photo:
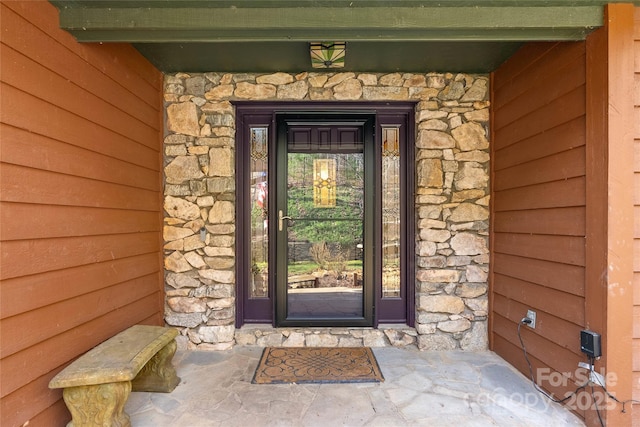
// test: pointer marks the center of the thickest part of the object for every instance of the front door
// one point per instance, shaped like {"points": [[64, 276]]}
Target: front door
{"points": [[325, 232], [324, 224]]}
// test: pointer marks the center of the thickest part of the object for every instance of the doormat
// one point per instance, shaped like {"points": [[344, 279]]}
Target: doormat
{"points": [[317, 365]]}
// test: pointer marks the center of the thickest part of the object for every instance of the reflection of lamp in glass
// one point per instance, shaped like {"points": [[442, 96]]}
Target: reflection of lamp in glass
{"points": [[390, 144], [327, 54], [324, 183]]}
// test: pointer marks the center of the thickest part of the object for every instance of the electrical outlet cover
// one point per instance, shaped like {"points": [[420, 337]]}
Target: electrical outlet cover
{"points": [[532, 316]]}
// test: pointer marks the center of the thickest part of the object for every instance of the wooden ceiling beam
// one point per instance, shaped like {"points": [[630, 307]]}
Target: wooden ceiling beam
{"points": [[173, 21]]}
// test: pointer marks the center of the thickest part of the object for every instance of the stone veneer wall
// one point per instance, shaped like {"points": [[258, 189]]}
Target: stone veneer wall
{"points": [[452, 197]]}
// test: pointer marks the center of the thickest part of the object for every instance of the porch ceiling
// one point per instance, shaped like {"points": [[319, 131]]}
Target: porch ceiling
{"points": [[383, 36]]}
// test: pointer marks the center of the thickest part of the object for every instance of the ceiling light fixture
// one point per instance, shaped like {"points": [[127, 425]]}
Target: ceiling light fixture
{"points": [[327, 54]]}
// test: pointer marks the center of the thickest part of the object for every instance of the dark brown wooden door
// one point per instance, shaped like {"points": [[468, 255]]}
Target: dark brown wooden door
{"points": [[324, 235]]}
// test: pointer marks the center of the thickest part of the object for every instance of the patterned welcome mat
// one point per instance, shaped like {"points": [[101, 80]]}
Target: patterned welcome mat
{"points": [[310, 365]]}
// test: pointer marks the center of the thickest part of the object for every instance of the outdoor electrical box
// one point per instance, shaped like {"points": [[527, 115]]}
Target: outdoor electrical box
{"points": [[590, 343]]}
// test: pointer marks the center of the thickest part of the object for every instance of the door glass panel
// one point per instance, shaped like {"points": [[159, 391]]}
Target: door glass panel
{"points": [[259, 224], [325, 201], [390, 212]]}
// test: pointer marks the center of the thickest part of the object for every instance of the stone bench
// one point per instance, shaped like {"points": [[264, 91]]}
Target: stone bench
{"points": [[97, 384], [302, 281]]}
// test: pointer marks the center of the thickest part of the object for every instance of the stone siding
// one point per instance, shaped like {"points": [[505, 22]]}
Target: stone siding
{"points": [[452, 198]]}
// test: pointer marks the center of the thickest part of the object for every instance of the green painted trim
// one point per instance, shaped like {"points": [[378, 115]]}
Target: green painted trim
{"points": [[511, 35], [209, 24]]}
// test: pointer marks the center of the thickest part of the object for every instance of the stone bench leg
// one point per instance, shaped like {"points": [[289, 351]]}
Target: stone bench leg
{"points": [[158, 375], [100, 405]]}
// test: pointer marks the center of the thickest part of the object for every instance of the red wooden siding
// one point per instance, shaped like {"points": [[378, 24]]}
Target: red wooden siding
{"points": [[609, 285], [81, 195], [636, 228], [539, 206], [562, 202]]}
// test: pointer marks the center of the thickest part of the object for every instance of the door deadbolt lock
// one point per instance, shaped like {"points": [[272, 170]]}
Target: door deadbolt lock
{"points": [[281, 219]]}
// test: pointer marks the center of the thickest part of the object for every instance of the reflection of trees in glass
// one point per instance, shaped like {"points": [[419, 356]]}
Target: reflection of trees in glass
{"points": [[259, 246], [349, 200]]}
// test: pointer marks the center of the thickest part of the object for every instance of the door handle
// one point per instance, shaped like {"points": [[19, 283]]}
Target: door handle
{"points": [[280, 219]]}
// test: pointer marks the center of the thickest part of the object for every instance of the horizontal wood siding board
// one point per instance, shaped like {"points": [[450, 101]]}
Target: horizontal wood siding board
{"points": [[512, 353], [46, 222], [71, 313], [35, 26], [155, 318], [24, 148], [565, 193], [81, 190], [561, 138], [27, 185], [546, 351], [564, 165], [556, 248], [561, 110], [561, 221], [25, 75], [131, 59], [560, 64], [562, 277], [24, 257], [538, 205], [58, 124], [519, 295], [548, 326], [26, 293], [522, 60], [57, 58], [51, 415], [48, 357], [26, 402], [557, 80]]}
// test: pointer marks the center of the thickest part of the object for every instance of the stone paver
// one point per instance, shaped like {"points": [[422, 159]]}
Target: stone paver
{"points": [[420, 389]]}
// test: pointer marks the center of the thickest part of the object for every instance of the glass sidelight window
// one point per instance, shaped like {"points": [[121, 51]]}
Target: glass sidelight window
{"points": [[259, 206], [391, 207]]}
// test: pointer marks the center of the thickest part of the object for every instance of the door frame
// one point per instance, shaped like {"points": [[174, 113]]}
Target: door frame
{"points": [[262, 113]]}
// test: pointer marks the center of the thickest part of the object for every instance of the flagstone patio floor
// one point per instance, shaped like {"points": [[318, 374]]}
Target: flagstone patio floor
{"points": [[420, 389]]}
